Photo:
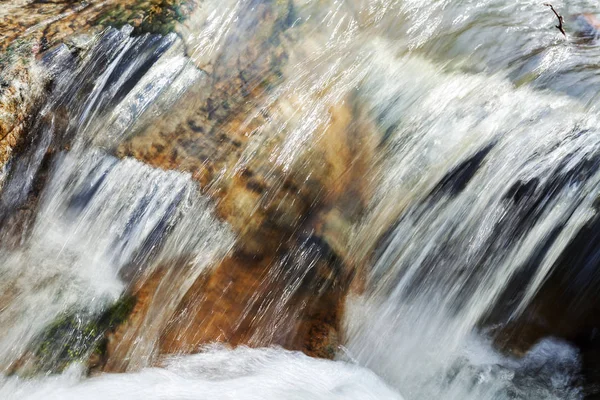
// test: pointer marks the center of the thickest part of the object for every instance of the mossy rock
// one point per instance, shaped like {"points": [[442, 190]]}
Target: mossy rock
{"points": [[75, 336], [157, 16], [19, 51]]}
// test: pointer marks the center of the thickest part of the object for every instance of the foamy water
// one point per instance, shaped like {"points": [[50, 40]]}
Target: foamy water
{"points": [[217, 373], [471, 102]]}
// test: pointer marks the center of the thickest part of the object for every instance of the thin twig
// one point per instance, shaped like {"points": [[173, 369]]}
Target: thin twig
{"points": [[561, 20]]}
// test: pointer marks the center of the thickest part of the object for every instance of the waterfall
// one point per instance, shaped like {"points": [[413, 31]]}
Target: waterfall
{"points": [[456, 248], [394, 185], [99, 218]]}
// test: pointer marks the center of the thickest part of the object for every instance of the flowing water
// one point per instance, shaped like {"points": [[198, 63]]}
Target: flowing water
{"points": [[484, 172]]}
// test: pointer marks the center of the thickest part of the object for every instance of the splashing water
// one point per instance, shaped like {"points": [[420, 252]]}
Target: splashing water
{"points": [[228, 374], [484, 155]]}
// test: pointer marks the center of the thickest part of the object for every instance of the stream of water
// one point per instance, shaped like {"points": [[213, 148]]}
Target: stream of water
{"points": [[486, 168]]}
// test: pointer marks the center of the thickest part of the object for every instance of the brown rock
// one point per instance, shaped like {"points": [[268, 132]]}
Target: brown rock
{"points": [[22, 86], [269, 291], [293, 301], [278, 287], [49, 23]]}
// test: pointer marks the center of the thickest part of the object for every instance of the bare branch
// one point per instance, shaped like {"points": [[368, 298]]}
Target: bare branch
{"points": [[561, 20]]}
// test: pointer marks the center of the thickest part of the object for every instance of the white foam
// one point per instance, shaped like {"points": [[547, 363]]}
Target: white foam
{"points": [[218, 373], [96, 214]]}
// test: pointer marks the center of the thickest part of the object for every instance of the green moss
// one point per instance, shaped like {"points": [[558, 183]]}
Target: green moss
{"points": [[158, 16], [19, 50], [329, 351], [76, 335]]}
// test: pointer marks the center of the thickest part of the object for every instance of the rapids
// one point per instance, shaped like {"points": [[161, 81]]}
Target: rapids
{"points": [[478, 143]]}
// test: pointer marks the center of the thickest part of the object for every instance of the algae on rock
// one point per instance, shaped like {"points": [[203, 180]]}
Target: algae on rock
{"points": [[76, 336]]}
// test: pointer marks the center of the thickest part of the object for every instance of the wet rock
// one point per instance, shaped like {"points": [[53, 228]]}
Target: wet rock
{"points": [[73, 337], [158, 16], [207, 135], [294, 301], [266, 204], [31, 28], [287, 279], [134, 344], [242, 300], [50, 23], [567, 306], [22, 86]]}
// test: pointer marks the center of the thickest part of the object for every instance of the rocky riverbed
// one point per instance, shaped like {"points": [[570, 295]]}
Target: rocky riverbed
{"points": [[280, 173]]}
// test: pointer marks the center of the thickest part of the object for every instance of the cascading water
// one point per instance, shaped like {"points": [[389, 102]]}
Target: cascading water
{"points": [[99, 216], [455, 246], [466, 154]]}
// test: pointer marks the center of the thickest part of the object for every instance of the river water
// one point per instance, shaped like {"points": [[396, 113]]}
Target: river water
{"points": [[486, 169]]}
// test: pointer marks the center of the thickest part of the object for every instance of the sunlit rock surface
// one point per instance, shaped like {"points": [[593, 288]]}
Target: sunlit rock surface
{"points": [[22, 87], [28, 27]]}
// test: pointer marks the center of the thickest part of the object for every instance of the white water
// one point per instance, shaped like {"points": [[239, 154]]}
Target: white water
{"points": [[453, 253], [99, 218], [73, 259], [437, 98], [217, 373]]}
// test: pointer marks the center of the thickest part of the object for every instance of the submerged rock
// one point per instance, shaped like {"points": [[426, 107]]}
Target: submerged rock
{"points": [[567, 306], [294, 301], [291, 195], [48, 23], [286, 280], [588, 25], [73, 337]]}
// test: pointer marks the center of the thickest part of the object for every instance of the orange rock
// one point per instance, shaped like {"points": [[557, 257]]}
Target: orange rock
{"points": [[293, 301], [19, 98], [268, 292], [277, 287]]}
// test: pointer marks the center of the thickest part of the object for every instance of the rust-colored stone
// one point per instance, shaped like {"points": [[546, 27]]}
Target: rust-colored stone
{"points": [[286, 280], [22, 86], [292, 301]]}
